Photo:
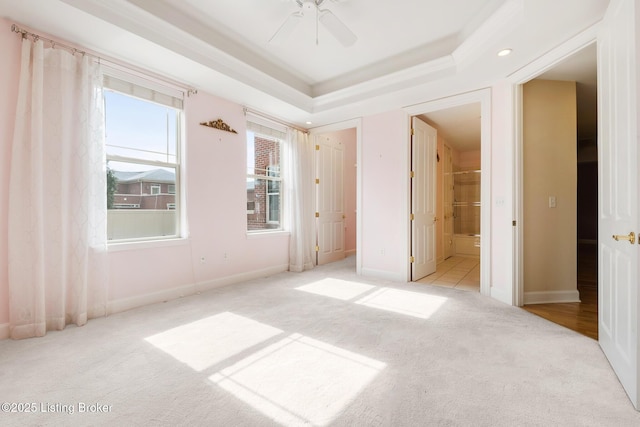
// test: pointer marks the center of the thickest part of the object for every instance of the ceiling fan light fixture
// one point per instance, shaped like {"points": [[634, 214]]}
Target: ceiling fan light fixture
{"points": [[337, 28], [286, 29]]}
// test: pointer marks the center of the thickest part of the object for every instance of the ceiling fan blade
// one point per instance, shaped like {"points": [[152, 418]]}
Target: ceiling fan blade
{"points": [[286, 29], [335, 26]]}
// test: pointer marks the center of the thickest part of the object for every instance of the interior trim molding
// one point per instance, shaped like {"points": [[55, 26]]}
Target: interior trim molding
{"points": [[549, 297], [516, 80], [242, 277], [124, 304], [555, 56], [501, 23], [483, 97], [386, 84]]}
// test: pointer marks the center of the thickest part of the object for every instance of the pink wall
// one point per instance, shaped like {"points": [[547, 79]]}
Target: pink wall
{"points": [[9, 69], [384, 194], [348, 136], [214, 167], [215, 190]]}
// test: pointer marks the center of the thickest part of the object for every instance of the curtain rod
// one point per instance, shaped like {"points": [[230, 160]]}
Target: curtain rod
{"points": [[54, 43], [273, 119]]}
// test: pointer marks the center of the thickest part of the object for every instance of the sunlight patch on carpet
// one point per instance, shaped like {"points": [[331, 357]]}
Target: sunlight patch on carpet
{"points": [[299, 380], [335, 288], [404, 302], [208, 341]]}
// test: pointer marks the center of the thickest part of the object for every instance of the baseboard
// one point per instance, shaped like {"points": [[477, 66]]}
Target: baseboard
{"points": [[502, 294], [349, 253], [237, 278], [4, 331], [125, 304], [380, 274], [548, 297]]}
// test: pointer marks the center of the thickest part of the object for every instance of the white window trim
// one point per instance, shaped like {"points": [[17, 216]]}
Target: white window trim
{"points": [[264, 129], [279, 193], [156, 93]]}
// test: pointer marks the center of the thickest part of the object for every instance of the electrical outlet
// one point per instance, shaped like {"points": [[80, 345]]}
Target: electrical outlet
{"points": [[552, 201]]}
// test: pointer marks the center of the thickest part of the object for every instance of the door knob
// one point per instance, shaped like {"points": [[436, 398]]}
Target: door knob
{"points": [[631, 237]]}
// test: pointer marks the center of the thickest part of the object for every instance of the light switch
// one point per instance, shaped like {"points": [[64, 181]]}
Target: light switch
{"points": [[552, 201]]}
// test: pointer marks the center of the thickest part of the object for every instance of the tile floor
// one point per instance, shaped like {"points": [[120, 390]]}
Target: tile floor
{"points": [[456, 272]]}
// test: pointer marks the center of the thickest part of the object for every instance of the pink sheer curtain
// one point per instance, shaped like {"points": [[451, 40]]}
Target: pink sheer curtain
{"points": [[57, 194]]}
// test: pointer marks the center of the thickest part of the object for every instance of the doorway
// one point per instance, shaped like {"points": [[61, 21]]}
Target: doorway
{"points": [[336, 192], [458, 206], [569, 295], [480, 102]]}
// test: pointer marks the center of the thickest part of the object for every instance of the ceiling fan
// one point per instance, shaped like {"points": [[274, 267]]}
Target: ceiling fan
{"points": [[324, 16]]}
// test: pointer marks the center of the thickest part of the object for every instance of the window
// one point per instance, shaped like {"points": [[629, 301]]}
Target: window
{"points": [[264, 181], [142, 132], [273, 194]]}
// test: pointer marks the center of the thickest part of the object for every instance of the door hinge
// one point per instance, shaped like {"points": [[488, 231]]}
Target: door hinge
{"points": [[412, 217], [513, 223], [317, 214], [317, 180], [412, 259], [317, 248], [317, 147], [412, 174], [412, 132]]}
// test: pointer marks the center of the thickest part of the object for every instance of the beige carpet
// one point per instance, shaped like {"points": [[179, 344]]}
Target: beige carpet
{"points": [[324, 347]]}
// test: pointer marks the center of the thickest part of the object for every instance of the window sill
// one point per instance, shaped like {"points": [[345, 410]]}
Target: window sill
{"points": [[266, 234], [146, 244]]}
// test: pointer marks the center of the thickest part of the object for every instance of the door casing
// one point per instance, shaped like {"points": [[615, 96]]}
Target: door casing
{"points": [[482, 96]]}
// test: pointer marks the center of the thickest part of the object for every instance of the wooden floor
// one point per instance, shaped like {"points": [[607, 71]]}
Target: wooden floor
{"points": [[581, 317]]}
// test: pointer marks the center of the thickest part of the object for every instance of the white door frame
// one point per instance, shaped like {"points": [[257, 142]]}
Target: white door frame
{"points": [[349, 124], [482, 96], [517, 79]]}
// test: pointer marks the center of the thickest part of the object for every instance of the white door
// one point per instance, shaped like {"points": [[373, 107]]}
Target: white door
{"points": [[330, 199], [618, 188], [424, 146]]}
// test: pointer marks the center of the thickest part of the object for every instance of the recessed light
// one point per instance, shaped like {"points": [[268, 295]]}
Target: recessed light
{"points": [[504, 52], [309, 123]]}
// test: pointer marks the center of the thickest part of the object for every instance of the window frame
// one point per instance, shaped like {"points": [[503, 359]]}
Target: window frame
{"points": [[266, 130], [164, 95], [274, 179]]}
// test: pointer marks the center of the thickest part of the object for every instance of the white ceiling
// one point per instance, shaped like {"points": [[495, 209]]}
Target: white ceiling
{"points": [[407, 51], [460, 126]]}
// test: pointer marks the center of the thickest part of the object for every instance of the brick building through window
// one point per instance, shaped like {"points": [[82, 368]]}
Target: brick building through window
{"points": [[153, 189], [263, 183]]}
